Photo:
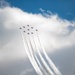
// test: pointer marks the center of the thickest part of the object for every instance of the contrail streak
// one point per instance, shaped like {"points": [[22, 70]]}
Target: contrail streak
{"points": [[41, 67], [33, 54], [43, 61], [38, 62], [57, 72], [31, 59]]}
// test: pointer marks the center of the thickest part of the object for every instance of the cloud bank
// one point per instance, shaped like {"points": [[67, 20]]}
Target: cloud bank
{"points": [[56, 32]]}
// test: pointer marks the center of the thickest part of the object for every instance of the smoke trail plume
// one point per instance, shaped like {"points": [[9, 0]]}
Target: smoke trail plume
{"points": [[32, 61], [43, 61], [33, 54], [38, 62], [56, 71]]}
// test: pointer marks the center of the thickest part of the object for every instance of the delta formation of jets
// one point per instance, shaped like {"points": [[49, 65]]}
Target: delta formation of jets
{"points": [[28, 29]]}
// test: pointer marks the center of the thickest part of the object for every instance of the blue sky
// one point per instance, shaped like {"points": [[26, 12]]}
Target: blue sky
{"points": [[64, 8]]}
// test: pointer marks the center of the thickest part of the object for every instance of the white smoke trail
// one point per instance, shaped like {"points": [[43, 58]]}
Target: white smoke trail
{"points": [[31, 59], [54, 68], [38, 62], [32, 52], [42, 69], [43, 61]]}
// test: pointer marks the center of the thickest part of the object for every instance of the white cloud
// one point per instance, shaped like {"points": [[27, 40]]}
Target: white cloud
{"points": [[54, 31], [41, 10], [27, 72]]}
